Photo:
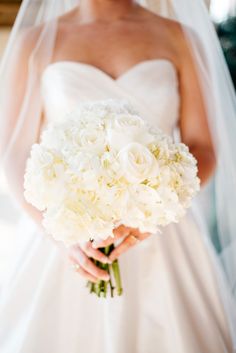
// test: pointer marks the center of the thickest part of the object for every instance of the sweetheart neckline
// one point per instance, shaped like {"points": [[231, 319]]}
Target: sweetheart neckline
{"points": [[97, 69]]}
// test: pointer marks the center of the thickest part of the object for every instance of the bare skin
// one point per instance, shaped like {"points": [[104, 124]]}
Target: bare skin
{"points": [[115, 35]]}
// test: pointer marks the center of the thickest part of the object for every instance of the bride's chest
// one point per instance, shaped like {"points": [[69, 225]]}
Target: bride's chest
{"points": [[150, 86]]}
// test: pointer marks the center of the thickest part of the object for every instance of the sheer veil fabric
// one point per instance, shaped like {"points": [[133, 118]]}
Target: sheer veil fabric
{"points": [[37, 21]]}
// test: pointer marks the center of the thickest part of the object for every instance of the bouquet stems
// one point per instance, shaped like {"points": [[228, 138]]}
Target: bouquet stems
{"points": [[102, 288]]}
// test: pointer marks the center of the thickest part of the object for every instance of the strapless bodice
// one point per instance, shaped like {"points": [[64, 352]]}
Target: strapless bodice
{"points": [[150, 86]]}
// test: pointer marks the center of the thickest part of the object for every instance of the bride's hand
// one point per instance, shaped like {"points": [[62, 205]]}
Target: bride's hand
{"points": [[132, 236], [80, 255]]}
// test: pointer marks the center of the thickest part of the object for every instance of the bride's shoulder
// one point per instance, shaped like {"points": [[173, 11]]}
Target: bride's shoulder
{"points": [[174, 32], [167, 26], [26, 38], [176, 37], [173, 27], [25, 42]]}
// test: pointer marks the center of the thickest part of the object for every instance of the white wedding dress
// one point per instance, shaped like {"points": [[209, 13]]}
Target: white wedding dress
{"points": [[172, 301]]}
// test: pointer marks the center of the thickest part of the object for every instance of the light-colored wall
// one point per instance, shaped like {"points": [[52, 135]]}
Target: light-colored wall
{"points": [[4, 34]]}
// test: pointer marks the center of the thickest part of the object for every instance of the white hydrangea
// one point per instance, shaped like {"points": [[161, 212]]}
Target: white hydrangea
{"points": [[102, 166]]}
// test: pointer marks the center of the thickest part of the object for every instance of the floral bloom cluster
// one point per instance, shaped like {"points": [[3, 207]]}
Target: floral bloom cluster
{"points": [[103, 166]]}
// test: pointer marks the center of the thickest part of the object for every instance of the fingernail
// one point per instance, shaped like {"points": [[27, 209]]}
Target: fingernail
{"points": [[106, 277]]}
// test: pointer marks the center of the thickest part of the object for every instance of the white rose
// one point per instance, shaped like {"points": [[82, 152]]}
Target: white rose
{"points": [[125, 129], [137, 163], [92, 139]]}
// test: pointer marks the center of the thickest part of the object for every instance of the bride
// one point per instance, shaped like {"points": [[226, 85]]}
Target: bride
{"points": [[175, 299]]}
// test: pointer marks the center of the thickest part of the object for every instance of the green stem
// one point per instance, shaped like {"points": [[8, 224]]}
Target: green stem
{"points": [[116, 272], [110, 281], [100, 288]]}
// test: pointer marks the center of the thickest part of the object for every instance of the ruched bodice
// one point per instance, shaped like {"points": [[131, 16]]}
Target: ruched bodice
{"points": [[151, 86]]}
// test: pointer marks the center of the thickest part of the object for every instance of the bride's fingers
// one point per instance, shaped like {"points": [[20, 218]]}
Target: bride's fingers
{"points": [[102, 244], [127, 243], [121, 231], [85, 274], [80, 257], [118, 232], [139, 235], [132, 239], [94, 253]]}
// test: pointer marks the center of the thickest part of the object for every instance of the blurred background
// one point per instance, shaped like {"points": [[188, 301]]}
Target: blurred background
{"points": [[223, 14]]}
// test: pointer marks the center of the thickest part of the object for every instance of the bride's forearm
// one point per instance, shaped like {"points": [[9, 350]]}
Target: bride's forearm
{"points": [[30, 210], [34, 214], [206, 162]]}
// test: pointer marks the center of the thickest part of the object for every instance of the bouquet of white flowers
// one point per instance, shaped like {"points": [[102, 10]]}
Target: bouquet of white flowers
{"points": [[103, 166]]}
